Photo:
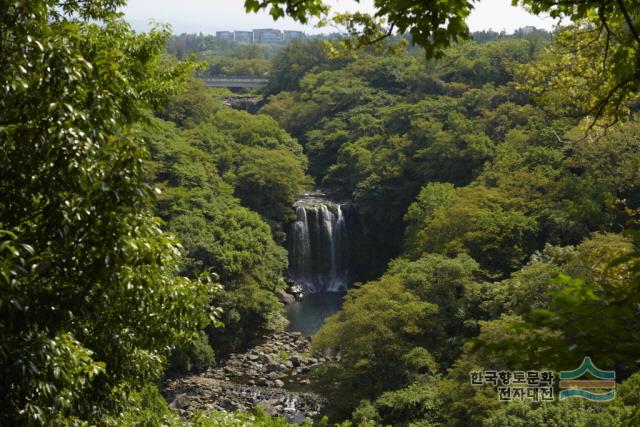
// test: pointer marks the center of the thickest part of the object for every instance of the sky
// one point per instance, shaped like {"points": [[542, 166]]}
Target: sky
{"points": [[209, 16]]}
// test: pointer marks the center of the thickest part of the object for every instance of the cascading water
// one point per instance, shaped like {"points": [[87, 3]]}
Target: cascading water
{"points": [[319, 245]]}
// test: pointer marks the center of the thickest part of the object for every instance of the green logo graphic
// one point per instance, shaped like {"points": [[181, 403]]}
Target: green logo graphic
{"points": [[604, 383]]}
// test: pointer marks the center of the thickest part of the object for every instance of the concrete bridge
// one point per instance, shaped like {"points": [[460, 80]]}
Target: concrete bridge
{"points": [[236, 81]]}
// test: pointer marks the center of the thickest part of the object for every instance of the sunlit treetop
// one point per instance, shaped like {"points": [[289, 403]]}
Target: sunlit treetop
{"points": [[300, 10], [432, 25], [611, 26]]}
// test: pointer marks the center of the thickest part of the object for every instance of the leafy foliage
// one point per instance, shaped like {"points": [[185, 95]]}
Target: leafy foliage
{"points": [[386, 327], [599, 51], [504, 208], [499, 197], [380, 127], [377, 334], [292, 62], [88, 278], [218, 234]]}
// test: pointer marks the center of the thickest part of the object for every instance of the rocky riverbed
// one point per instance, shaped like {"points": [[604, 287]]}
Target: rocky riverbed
{"points": [[273, 375]]}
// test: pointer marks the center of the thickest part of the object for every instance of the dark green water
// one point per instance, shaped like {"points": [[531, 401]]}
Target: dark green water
{"points": [[308, 314]]}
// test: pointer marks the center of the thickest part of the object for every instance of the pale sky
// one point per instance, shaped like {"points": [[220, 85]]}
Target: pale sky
{"points": [[209, 16]]}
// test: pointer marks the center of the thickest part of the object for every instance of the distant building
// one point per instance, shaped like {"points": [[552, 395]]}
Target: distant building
{"points": [[267, 36], [224, 35], [261, 35], [244, 36], [528, 29], [293, 35]]}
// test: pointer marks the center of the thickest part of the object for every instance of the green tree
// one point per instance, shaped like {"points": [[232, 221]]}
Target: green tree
{"points": [[192, 106], [396, 333], [263, 164], [610, 159], [378, 336], [450, 284], [88, 278], [591, 67], [219, 235], [488, 225], [588, 310], [606, 35], [269, 181], [431, 197], [292, 62]]}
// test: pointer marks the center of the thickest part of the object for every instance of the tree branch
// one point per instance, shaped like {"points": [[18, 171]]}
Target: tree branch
{"points": [[627, 18], [601, 105], [603, 19], [389, 33]]}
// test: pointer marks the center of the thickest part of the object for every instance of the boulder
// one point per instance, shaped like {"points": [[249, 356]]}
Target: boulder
{"points": [[295, 360], [285, 297], [273, 367], [181, 401]]}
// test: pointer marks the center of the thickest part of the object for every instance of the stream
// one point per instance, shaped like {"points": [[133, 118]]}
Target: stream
{"points": [[308, 314]]}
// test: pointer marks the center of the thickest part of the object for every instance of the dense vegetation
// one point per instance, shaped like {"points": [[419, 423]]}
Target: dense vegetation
{"points": [[228, 180], [222, 56], [88, 277], [499, 213], [510, 218]]}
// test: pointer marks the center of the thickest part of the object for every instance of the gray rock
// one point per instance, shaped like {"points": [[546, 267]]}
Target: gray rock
{"points": [[267, 358], [273, 367], [295, 360], [181, 401], [266, 378], [285, 297]]}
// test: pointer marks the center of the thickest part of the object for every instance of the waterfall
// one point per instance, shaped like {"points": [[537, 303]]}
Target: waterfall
{"points": [[319, 245]]}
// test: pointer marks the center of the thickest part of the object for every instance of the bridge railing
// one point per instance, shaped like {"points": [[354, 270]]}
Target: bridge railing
{"points": [[228, 78]]}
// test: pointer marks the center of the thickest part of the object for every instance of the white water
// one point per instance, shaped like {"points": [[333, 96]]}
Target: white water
{"points": [[318, 248]]}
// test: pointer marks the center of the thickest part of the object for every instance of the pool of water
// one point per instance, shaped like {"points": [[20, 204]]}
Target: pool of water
{"points": [[308, 314]]}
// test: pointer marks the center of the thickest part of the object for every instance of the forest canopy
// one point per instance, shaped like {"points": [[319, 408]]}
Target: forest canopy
{"points": [[143, 220]]}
